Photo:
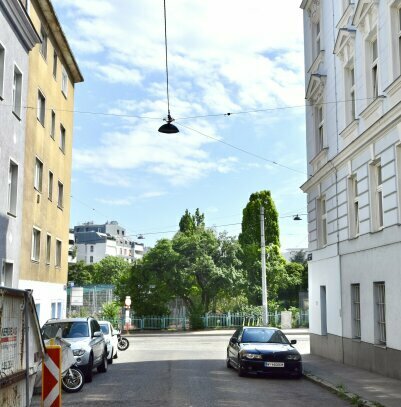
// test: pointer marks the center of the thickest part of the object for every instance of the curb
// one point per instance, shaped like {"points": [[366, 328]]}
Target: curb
{"points": [[352, 397]]}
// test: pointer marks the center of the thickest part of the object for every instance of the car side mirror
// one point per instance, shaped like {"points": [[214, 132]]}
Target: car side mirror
{"points": [[293, 341], [234, 340], [97, 334]]}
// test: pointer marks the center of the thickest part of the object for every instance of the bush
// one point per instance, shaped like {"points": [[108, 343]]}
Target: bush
{"points": [[195, 320]]}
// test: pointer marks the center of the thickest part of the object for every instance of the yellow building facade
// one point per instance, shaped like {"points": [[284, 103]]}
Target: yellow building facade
{"points": [[53, 73]]}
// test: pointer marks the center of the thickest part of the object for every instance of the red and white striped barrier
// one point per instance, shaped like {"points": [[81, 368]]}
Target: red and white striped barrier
{"points": [[51, 377]]}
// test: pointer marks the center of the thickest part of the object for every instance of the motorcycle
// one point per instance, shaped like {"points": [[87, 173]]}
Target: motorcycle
{"points": [[122, 343]]}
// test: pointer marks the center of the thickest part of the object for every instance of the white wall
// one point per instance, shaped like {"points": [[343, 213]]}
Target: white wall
{"points": [[44, 295], [325, 273]]}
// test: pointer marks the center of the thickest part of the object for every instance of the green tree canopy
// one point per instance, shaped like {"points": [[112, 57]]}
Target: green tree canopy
{"points": [[80, 273], [197, 266], [110, 270], [249, 240]]}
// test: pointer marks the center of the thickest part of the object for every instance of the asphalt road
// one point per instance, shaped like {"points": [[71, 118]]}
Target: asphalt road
{"points": [[188, 370]]}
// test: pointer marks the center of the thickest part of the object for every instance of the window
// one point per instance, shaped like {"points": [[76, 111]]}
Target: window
{"points": [[37, 306], [50, 186], [59, 310], [62, 138], [380, 312], [91, 248], [35, 255], [322, 222], [316, 39], [53, 125], [38, 175], [17, 91], [55, 58], [319, 128], [399, 36], [2, 62], [374, 72], [376, 195], [396, 40], [12, 188], [43, 45], [6, 274], [356, 311], [58, 253], [53, 310], [48, 248], [41, 108], [91, 259], [350, 94], [353, 202], [323, 310], [64, 82], [60, 195]]}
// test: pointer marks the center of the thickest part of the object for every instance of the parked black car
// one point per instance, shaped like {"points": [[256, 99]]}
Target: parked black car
{"points": [[263, 350]]}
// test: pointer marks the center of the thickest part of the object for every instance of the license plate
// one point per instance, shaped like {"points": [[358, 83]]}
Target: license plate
{"points": [[274, 364]]}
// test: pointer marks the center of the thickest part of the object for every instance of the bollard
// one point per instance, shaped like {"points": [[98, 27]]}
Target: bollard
{"points": [[51, 377]]}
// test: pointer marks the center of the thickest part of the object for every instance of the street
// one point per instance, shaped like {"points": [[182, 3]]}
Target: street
{"points": [[188, 369]]}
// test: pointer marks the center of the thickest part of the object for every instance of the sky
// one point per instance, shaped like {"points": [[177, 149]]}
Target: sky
{"points": [[225, 56]]}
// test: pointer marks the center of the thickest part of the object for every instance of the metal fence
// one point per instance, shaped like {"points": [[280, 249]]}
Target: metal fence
{"points": [[213, 321], [93, 298]]}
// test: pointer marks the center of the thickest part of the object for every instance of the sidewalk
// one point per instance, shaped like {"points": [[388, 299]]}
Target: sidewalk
{"points": [[351, 382]]}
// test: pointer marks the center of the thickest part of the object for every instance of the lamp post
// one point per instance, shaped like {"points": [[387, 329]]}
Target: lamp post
{"points": [[127, 309]]}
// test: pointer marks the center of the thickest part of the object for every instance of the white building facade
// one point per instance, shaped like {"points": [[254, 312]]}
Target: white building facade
{"points": [[94, 242], [353, 122], [17, 38]]}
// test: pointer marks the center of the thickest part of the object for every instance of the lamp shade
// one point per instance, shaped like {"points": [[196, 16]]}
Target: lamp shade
{"points": [[168, 128], [297, 217], [127, 300]]}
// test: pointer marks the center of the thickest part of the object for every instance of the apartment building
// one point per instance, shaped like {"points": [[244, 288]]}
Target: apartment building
{"points": [[53, 73], [17, 38], [353, 122], [96, 241]]}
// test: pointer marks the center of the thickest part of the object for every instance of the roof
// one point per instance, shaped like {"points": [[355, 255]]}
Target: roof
{"points": [[61, 40]]}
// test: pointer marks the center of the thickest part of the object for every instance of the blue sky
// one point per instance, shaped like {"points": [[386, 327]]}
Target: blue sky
{"points": [[224, 56]]}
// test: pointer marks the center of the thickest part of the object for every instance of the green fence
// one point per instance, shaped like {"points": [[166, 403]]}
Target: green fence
{"points": [[212, 321]]}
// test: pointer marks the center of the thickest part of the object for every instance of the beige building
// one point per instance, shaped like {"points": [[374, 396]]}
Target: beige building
{"points": [[53, 73]]}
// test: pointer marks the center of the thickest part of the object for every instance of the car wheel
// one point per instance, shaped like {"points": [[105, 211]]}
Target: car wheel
{"points": [[228, 363], [241, 371], [110, 360], [89, 371], [102, 368]]}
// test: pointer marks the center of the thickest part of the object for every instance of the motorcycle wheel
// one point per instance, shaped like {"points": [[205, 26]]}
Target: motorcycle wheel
{"points": [[73, 381], [123, 344]]}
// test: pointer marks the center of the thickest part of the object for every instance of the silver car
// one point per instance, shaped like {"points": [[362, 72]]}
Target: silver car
{"points": [[86, 339]]}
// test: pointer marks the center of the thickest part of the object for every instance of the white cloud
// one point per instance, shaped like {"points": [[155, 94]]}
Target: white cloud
{"points": [[223, 57]]}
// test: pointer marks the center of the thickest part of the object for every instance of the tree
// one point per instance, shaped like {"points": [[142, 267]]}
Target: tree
{"points": [[249, 240], [189, 223], [80, 273], [300, 257], [110, 270], [197, 266]]}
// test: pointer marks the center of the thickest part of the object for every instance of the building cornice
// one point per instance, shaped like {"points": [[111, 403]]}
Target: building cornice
{"points": [[20, 19], [370, 135], [315, 88], [51, 18], [362, 9], [345, 35]]}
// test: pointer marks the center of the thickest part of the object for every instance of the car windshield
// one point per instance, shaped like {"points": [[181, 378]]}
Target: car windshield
{"points": [[104, 328], [68, 330], [263, 335]]}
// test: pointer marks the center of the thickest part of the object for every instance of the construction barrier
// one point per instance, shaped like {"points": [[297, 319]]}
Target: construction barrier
{"points": [[51, 377]]}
